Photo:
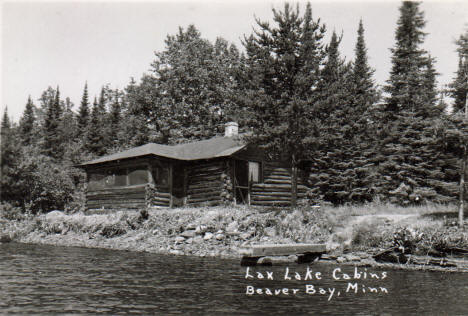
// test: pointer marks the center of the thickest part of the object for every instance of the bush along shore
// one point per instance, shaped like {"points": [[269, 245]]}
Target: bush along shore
{"points": [[422, 237]]}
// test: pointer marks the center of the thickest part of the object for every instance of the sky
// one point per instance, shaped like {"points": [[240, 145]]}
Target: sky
{"points": [[68, 43]]}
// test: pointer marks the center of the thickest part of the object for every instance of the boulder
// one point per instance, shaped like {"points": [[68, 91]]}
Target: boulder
{"points": [[208, 236], [232, 227], [179, 239], [188, 234], [220, 236], [341, 259], [53, 214]]}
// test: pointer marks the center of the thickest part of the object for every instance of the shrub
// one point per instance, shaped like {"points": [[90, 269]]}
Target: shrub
{"points": [[9, 212], [113, 230]]}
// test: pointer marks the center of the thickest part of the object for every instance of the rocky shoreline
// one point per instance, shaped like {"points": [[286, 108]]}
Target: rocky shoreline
{"points": [[204, 234]]}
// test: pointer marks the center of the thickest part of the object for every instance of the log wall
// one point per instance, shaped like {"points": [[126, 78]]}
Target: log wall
{"points": [[205, 183], [157, 196], [276, 187], [128, 198]]}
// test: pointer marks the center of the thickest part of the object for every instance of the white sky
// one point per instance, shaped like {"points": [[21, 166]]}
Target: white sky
{"points": [[67, 43]]}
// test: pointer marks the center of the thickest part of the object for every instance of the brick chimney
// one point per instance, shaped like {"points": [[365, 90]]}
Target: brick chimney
{"points": [[231, 129]]}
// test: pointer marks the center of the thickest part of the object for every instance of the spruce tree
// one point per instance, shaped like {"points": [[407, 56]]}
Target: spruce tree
{"points": [[52, 144], [410, 87], [283, 61], [10, 151], [27, 123], [94, 137], [83, 113]]}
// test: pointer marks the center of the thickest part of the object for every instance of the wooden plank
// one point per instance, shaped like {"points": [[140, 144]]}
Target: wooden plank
{"points": [[205, 185], [282, 250]]}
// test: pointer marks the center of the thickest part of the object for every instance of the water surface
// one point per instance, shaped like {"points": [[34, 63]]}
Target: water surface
{"points": [[38, 279]]}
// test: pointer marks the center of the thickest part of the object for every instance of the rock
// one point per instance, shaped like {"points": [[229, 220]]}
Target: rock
{"points": [[352, 258], [245, 236], [191, 226], [5, 238], [341, 259], [220, 236], [219, 231], [189, 241], [155, 232], [178, 247], [200, 229], [208, 236], [232, 227], [54, 214], [197, 239], [188, 234], [265, 261], [270, 231], [179, 239], [176, 252]]}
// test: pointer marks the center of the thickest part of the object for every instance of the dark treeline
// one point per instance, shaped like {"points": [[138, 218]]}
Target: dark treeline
{"points": [[290, 89]]}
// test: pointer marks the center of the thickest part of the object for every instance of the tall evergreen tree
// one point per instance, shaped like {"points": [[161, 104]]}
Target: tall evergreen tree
{"points": [[459, 86], [10, 151], [83, 113], [283, 63], [52, 145], [95, 138], [410, 87], [27, 123]]}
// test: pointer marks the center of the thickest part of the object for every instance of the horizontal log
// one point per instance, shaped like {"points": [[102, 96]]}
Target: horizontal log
{"points": [[270, 181], [205, 168], [199, 200], [278, 190], [204, 189], [161, 195], [117, 196], [116, 191], [274, 195], [205, 185], [207, 203], [208, 177], [203, 195], [270, 198], [270, 204], [278, 177], [279, 186]]}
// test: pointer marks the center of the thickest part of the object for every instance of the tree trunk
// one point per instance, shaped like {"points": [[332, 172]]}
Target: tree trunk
{"points": [[294, 183], [462, 174]]}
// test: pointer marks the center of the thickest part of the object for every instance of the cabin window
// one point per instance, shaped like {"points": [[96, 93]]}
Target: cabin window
{"points": [[161, 175], [138, 176], [97, 181], [254, 172], [120, 178]]}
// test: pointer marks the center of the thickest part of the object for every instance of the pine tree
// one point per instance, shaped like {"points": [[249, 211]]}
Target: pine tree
{"points": [[410, 87], [94, 137], [52, 145], [114, 120], [459, 86], [27, 123], [10, 151], [83, 113], [283, 62]]}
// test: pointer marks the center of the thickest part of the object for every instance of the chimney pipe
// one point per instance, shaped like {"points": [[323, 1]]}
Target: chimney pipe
{"points": [[231, 129]]}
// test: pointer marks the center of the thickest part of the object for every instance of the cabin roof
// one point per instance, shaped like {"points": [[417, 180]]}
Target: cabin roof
{"points": [[204, 149]]}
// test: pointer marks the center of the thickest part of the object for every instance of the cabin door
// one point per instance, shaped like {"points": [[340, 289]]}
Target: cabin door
{"points": [[242, 182], [178, 186]]}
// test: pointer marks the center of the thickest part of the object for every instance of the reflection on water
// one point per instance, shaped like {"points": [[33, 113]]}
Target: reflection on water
{"points": [[45, 279]]}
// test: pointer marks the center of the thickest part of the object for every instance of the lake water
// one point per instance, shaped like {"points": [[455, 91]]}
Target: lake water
{"points": [[46, 280]]}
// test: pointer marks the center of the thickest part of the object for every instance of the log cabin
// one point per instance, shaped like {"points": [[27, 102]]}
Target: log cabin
{"points": [[208, 172]]}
